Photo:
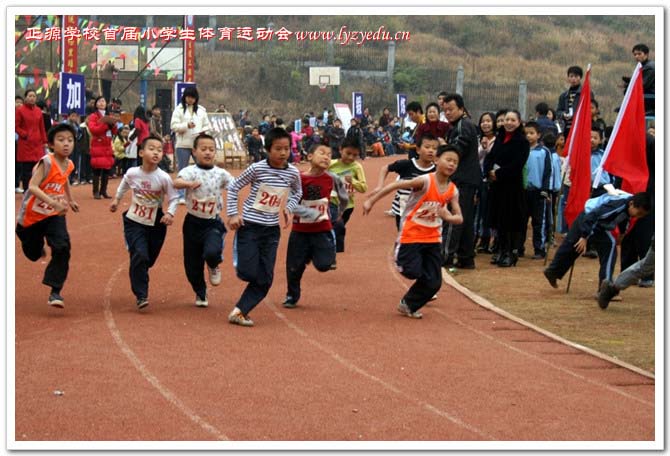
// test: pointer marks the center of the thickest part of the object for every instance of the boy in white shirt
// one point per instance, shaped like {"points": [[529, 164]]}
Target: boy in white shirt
{"points": [[203, 229], [144, 223]]}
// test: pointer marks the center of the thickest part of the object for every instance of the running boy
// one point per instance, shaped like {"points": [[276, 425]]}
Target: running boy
{"points": [[144, 223], [600, 216], [42, 213], [426, 149], [418, 254], [203, 229], [352, 175], [312, 231], [272, 181]]}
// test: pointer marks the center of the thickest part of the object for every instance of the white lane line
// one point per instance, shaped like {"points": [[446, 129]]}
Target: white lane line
{"points": [[351, 366], [398, 278], [142, 369]]}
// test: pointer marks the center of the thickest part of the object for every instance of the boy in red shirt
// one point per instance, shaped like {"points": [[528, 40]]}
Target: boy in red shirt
{"points": [[312, 237]]}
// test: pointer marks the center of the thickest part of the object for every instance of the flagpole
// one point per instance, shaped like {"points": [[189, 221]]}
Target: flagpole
{"points": [[617, 123]]}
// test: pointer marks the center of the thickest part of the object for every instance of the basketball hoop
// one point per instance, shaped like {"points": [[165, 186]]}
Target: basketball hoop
{"points": [[323, 77], [324, 81]]}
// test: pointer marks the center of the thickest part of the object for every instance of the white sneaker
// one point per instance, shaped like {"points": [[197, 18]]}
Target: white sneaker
{"points": [[434, 297], [201, 302], [237, 318], [182, 201], [403, 308], [18, 190], [214, 275]]}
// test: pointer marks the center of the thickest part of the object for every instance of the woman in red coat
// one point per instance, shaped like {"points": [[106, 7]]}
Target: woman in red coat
{"points": [[140, 123], [433, 124], [102, 128], [32, 136]]}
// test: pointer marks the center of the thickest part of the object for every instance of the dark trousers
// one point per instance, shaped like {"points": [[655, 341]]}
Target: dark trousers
{"points": [[100, 179], [319, 248], [106, 89], [54, 230], [26, 173], [482, 225], [254, 255], [538, 208], [17, 166], [602, 241], [462, 238], [203, 243], [84, 166], [423, 263], [339, 226], [144, 243], [636, 243]]}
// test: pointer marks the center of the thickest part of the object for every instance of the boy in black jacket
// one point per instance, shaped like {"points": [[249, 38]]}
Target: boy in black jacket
{"points": [[600, 216]]}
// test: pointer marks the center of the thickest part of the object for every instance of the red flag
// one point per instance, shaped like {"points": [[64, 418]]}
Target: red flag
{"points": [[578, 145], [626, 153]]}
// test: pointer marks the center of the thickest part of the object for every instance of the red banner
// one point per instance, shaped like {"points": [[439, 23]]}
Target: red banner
{"points": [[189, 52], [70, 45]]}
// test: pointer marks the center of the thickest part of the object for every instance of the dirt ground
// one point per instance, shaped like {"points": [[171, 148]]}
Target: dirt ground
{"points": [[624, 331]]}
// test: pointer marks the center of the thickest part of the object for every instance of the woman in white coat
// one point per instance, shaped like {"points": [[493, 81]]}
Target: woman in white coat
{"points": [[188, 121]]}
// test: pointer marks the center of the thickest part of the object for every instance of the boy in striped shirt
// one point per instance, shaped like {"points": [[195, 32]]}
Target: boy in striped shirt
{"points": [[275, 190], [408, 169], [418, 256]]}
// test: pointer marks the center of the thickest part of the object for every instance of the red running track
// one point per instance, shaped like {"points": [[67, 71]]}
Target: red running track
{"points": [[343, 366]]}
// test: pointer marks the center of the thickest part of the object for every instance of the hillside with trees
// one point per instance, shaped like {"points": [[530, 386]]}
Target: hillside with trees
{"points": [[496, 53]]}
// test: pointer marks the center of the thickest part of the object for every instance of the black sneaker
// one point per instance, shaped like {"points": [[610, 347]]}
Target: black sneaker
{"points": [[56, 300], [142, 303], [551, 278], [606, 293], [590, 254], [289, 303]]}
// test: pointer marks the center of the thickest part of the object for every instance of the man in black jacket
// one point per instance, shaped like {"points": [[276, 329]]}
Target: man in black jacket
{"points": [[568, 101], [595, 223], [461, 238]]}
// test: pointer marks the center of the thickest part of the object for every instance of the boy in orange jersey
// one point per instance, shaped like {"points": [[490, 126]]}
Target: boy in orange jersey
{"points": [[42, 213], [417, 254]]}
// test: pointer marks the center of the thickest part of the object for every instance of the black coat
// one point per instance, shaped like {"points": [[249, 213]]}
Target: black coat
{"points": [[507, 198], [463, 135]]}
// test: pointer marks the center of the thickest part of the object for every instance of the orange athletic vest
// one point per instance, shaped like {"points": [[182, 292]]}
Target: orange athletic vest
{"points": [[423, 224], [33, 209]]}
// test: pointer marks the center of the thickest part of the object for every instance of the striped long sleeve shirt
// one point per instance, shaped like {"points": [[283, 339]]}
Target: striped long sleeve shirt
{"points": [[269, 186]]}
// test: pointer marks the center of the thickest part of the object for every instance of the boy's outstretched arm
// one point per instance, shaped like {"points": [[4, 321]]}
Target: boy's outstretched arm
{"points": [[414, 184]]}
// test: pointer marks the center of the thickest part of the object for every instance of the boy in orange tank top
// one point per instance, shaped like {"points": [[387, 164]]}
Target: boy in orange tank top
{"points": [[417, 254], [42, 213]]}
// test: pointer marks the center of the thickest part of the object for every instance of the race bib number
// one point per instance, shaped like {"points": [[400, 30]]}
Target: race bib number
{"points": [[320, 205], [427, 215], [269, 198], [42, 207], [144, 213], [204, 208]]}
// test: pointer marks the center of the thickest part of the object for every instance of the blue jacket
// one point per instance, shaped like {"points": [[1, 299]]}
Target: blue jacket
{"points": [[596, 158], [605, 212], [555, 171], [539, 168]]}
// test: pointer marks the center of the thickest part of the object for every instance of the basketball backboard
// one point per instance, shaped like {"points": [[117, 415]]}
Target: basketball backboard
{"points": [[324, 76]]}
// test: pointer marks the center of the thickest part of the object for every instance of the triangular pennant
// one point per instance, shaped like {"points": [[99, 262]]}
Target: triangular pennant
{"points": [[22, 67], [157, 70], [81, 70], [39, 90], [93, 64]]}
